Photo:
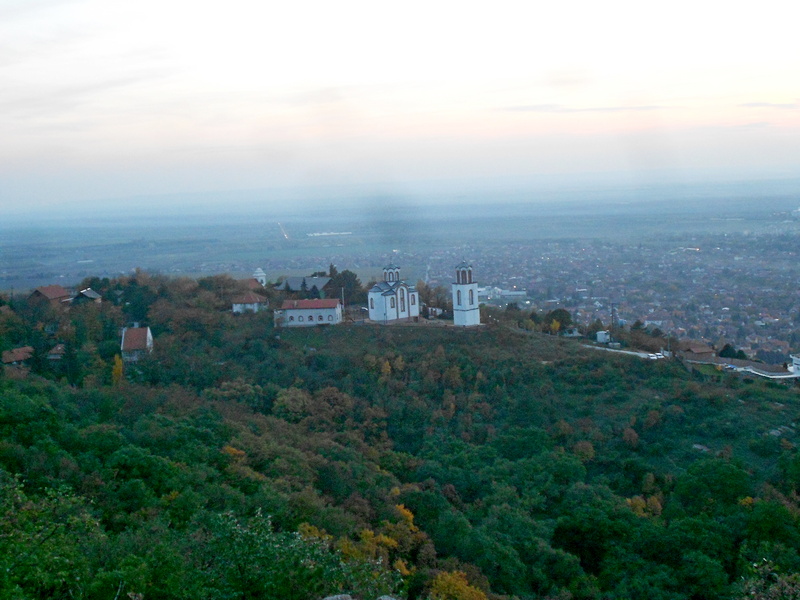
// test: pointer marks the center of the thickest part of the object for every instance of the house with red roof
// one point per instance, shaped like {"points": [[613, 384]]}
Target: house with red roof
{"points": [[56, 295], [136, 343], [249, 302], [17, 356], [307, 313]]}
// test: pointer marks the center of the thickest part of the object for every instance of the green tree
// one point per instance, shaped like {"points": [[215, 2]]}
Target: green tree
{"points": [[247, 559]]}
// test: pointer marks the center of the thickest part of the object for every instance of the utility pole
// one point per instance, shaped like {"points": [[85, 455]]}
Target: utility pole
{"points": [[613, 319]]}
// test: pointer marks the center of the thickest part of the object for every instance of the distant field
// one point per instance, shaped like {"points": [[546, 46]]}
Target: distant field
{"points": [[48, 249]]}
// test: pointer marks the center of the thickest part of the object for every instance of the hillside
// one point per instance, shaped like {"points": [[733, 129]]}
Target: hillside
{"points": [[243, 461]]}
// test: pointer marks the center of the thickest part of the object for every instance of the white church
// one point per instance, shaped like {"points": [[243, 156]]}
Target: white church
{"points": [[392, 299], [466, 311]]}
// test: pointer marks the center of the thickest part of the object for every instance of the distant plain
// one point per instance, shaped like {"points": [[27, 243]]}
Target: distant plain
{"points": [[197, 236]]}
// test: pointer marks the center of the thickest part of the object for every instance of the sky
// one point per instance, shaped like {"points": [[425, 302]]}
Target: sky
{"points": [[103, 99]]}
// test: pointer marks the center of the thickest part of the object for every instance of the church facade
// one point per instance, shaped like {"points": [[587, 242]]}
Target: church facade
{"points": [[466, 312], [392, 299]]}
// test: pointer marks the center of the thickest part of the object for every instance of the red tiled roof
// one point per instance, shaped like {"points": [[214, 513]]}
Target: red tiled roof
{"points": [[249, 298], [697, 348], [17, 354], [134, 338], [252, 283], [310, 304], [52, 292]]}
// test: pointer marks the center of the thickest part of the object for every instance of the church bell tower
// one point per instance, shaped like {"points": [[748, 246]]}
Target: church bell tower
{"points": [[466, 312]]}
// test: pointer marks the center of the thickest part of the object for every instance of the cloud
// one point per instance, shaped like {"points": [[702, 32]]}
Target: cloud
{"points": [[558, 108], [22, 8], [784, 106], [38, 100]]}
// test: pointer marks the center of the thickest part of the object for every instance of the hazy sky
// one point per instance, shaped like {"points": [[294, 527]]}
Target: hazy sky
{"points": [[104, 98]]}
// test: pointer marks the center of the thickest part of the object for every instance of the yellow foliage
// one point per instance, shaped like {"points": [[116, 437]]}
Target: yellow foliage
{"points": [[638, 505], [310, 532], [453, 585], [401, 567], [747, 502], [407, 516], [116, 371], [234, 453], [386, 368], [349, 549], [372, 540], [654, 505]]}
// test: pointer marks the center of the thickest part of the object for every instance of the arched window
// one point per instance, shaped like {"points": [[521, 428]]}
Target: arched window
{"points": [[300, 318], [402, 300], [471, 298], [319, 318], [413, 299], [291, 318], [458, 297], [372, 303], [330, 317], [391, 302]]}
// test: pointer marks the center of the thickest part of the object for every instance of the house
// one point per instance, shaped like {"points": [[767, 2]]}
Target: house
{"points": [[305, 284], [252, 284], [87, 296], [56, 353], [249, 302], [306, 313], [603, 337], [392, 299], [257, 282], [17, 356], [136, 342], [696, 350], [55, 295]]}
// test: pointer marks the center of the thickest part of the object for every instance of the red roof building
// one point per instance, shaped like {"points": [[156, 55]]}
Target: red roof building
{"points": [[17, 356], [56, 295], [136, 342], [310, 304], [249, 302], [305, 313]]}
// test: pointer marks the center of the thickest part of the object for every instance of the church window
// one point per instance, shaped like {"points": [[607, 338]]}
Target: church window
{"points": [[471, 298], [372, 303], [391, 302], [402, 300], [300, 318], [413, 299], [291, 318], [330, 317], [319, 318], [458, 297]]}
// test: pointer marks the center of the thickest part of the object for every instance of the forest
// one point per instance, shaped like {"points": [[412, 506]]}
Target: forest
{"points": [[243, 461]]}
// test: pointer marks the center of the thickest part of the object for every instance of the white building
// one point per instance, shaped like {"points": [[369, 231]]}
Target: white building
{"points": [[307, 313], [393, 299], [466, 311], [249, 302]]}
